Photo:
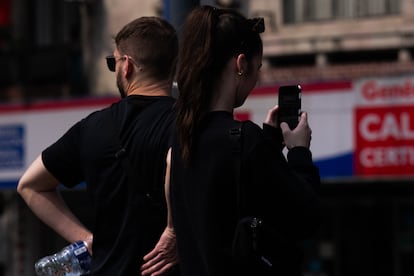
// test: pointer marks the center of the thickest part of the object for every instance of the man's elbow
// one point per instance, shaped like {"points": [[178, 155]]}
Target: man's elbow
{"points": [[22, 189]]}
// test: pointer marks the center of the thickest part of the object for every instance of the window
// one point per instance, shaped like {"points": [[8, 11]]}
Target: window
{"points": [[53, 22], [297, 11]]}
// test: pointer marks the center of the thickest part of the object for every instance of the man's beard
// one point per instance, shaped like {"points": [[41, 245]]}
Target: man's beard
{"points": [[120, 86]]}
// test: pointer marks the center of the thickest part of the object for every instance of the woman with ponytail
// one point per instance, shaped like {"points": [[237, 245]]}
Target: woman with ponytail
{"points": [[219, 63]]}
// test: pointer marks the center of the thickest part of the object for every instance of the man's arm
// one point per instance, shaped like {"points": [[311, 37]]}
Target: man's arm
{"points": [[38, 188]]}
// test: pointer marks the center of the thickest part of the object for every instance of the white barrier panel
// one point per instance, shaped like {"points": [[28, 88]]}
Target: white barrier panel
{"points": [[28, 129]]}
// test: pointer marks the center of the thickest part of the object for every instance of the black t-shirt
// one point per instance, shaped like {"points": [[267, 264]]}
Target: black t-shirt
{"points": [[127, 221], [203, 193]]}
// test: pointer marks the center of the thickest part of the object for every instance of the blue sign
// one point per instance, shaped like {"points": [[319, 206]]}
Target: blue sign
{"points": [[11, 147]]}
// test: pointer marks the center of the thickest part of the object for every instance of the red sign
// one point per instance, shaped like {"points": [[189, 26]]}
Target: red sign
{"points": [[384, 141]]}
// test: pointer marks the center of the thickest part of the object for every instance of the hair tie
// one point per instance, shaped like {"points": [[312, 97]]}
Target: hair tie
{"points": [[215, 15], [256, 24]]}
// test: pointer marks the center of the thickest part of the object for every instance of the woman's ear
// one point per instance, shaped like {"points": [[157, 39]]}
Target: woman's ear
{"points": [[241, 64]]}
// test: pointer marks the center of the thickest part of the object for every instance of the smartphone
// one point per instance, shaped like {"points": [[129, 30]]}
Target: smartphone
{"points": [[290, 105]]}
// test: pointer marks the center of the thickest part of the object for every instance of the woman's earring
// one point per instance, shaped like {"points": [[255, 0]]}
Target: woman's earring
{"points": [[240, 73]]}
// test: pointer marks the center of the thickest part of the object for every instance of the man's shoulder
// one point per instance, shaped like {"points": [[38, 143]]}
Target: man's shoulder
{"points": [[100, 112]]}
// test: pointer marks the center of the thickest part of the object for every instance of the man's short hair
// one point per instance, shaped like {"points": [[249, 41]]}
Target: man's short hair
{"points": [[152, 43]]}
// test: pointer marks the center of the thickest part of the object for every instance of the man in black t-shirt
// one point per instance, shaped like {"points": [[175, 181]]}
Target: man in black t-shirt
{"points": [[120, 153]]}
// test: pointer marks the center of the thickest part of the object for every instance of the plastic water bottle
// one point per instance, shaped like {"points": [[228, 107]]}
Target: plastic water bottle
{"points": [[72, 260]]}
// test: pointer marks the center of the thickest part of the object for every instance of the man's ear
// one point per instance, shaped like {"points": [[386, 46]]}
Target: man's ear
{"points": [[127, 67], [241, 64]]}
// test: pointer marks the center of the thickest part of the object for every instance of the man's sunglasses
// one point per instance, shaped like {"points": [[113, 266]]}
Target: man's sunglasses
{"points": [[111, 62]]}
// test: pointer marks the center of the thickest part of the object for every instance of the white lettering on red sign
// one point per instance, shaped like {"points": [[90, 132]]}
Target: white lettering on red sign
{"points": [[373, 128], [386, 156]]}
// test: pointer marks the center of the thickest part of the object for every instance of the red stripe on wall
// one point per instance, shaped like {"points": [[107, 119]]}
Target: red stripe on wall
{"points": [[320, 87], [67, 104]]}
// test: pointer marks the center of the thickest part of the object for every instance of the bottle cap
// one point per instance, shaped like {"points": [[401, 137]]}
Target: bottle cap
{"points": [[81, 252]]}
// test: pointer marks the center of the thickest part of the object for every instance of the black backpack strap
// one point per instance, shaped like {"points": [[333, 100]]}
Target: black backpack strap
{"points": [[121, 154]]}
